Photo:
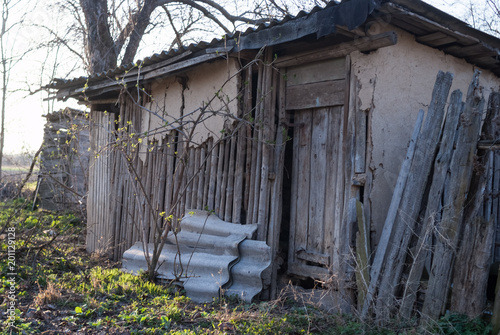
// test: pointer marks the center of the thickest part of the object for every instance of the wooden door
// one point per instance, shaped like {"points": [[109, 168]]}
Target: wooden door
{"points": [[315, 198]]}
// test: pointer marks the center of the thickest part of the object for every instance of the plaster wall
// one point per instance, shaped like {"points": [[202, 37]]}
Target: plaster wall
{"points": [[179, 99], [396, 82]]}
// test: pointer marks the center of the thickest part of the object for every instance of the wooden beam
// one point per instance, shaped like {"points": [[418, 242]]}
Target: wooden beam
{"points": [[361, 44], [181, 65], [323, 94]]}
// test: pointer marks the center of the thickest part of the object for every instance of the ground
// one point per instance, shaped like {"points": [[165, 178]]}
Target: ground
{"points": [[58, 288]]}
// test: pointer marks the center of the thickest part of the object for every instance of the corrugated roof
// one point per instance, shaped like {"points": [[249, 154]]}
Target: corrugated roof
{"points": [[423, 20]]}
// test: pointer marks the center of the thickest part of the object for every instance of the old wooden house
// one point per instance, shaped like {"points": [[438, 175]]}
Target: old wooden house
{"points": [[286, 126]]}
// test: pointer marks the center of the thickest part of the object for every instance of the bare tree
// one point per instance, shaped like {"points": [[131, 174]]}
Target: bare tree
{"points": [[10, 56], [110, 31]]}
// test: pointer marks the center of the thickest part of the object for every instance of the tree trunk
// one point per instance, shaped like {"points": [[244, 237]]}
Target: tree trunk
{"points": [[99, 45]]}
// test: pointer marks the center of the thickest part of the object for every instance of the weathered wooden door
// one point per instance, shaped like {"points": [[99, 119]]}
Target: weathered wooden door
{"points": [[316, 99]]}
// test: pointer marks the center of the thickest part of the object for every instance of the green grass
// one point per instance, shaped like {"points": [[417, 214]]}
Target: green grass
{"points": [[61, 288]]}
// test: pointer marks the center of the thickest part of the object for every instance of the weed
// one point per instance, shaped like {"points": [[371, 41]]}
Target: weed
{"points": [[63, 289], [455, 324]]}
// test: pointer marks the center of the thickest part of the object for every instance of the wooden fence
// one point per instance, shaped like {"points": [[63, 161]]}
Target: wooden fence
{"points": [[233, 176]]}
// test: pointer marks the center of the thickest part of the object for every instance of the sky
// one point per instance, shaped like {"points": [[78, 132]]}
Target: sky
{"points": [[24, 119]]}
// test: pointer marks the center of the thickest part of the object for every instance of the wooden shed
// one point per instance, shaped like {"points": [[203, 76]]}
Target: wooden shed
{"points": [[288, 126]]}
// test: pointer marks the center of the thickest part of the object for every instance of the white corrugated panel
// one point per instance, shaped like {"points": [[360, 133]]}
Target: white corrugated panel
{"points": [[212, 256]]}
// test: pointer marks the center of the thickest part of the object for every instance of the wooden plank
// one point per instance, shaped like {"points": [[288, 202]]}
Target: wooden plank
{"points": [[148, 196], [208, 166], [412, 196], [363, 253], [239, 174], [317, 187], [294, 210], [306, 271], [303, 182], [326, 70], [314, 95], [436, 39], [268, 115], [333, 175], [220, 168], [247, 135], [180, 65], [169, 180], [118, 213], [225, 168], [230, 180], [397, 195], [495, 201], [161, 186], [189, 176], [276, 206], [258, 138], [201, 177], [312, 256], [360, 145], [471, 270], [89, 241], [430, 221], [454, 198], [195, 177], [214, 148], [136, 214], [154, 206], [361, 44]]}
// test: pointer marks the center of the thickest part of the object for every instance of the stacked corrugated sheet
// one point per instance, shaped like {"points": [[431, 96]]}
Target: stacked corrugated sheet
{"points": [[210, 257]]}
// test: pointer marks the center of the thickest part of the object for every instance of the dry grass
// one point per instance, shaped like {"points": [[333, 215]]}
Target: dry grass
{"points": [[50, 295]]}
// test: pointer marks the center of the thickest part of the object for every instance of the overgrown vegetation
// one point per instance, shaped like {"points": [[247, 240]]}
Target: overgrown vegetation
{"points": [[62, 289]]}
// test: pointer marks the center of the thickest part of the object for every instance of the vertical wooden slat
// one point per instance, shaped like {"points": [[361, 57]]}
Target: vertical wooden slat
{"points": [[213, 175], [256, 150], [170, 173], [119, 209], [220, 168], [230, 180], [153, 209], [181, 202], [196, 176], [332, 177], [227, 148], [239, 174], [267, 117], [201, 177], [317, 189], [208, 168], [303, 175], [247, 135], [190, 171], [276, 195], [134, 219]]}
